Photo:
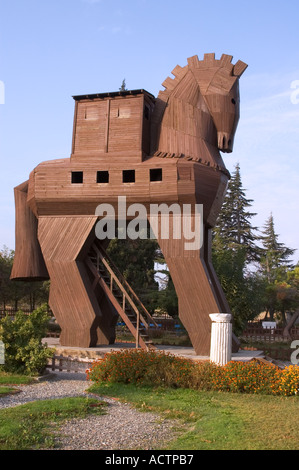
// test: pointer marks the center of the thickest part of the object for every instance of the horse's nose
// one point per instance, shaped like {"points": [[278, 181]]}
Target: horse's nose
{"points": [[225, 142]]}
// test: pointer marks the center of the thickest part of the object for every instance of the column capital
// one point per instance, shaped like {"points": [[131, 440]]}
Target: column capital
{"points": [[221, 317]]}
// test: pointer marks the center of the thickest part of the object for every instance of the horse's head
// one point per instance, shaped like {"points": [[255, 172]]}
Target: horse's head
{"points": [[224, 109], [218, 81], [198, 108]]}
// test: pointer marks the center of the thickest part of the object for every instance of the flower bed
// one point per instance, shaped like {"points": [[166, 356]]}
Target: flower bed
{"points": [[156, 368], [142, 368]]}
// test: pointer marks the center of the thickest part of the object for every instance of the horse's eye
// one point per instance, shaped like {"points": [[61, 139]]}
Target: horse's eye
{"points": [[233, 101]]}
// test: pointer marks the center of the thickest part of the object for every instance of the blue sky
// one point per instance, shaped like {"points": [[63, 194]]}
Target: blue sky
{"points": [[51, 50]]}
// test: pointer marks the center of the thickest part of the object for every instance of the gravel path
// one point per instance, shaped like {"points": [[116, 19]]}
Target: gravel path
{"points": [[122, 427]]}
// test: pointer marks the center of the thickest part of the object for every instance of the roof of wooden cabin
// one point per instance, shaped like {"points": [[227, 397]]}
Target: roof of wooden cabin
{"points": [[113, 94]]}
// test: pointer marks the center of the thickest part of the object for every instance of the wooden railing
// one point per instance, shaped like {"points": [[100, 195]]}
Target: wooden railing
{"points": [[122, 296], [271, 335], [69, 364], [11, 312], [281, 354], [130, 294]]}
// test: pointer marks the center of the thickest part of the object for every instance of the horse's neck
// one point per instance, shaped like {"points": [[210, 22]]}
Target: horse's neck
{"points": [[187, 126]]}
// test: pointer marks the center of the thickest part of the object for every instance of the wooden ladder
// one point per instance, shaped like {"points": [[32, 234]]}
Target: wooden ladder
{"points": [[121, 295]]}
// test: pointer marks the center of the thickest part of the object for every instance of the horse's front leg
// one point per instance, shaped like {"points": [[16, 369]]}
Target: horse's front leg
{"points": [[197, 297]]}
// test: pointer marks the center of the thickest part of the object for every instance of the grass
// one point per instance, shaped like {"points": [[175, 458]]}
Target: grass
{"points": [[6, 390], [206, 420], [14, 379], [218, 420], [32, 426], [11, 379]]}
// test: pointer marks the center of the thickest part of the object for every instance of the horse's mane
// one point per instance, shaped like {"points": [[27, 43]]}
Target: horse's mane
{"points": [[206, 72], [191, 83]]}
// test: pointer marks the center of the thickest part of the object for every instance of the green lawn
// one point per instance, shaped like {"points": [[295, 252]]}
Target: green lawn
{"points": [[11, 379], [14, 379], [206, 420], [6, 390], [30, 426], [218, 420]]}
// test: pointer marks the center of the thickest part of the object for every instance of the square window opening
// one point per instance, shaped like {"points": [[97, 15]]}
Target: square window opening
{"points": [[102, 176], [77, 177], [128, 176], [156, 174]]}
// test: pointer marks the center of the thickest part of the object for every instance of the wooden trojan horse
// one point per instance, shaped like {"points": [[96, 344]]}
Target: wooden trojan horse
{"points": [[150, 151]]}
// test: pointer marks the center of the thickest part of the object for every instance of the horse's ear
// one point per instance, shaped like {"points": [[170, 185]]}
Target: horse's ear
{"points": [[239, 68]]}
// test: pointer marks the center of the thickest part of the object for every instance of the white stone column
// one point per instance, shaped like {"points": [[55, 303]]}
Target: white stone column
{"points": [[221, 338]]}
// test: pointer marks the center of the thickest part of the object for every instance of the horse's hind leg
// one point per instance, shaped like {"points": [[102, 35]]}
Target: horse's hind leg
{"points": [[75, 304]]}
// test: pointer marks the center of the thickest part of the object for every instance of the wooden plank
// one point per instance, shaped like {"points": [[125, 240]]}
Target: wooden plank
{"points": [[240, 68], [107, 126]]}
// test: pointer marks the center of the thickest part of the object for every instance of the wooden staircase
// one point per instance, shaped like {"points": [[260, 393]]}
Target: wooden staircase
{"points": [[121, 295]]}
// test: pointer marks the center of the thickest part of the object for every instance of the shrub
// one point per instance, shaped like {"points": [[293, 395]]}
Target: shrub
{"points": [[22, 338], [140, 367], [247, 377], [155, 368], [206, 376]]}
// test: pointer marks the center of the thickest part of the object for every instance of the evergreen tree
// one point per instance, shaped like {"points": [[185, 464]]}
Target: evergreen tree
{"points": [[275, 255], [234, 247], [123, 86], [234, 230], [243, 291], [274, 267]]}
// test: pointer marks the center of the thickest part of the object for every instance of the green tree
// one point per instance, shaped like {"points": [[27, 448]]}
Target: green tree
{"points": [[6, 259], [274, 266], [243, 291], [136, 261], [234, 248], [233, 229], [123, 85], [36, 294], [293, 283], [287, 299], [275, 258], [166, 297], [11, 293]]}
